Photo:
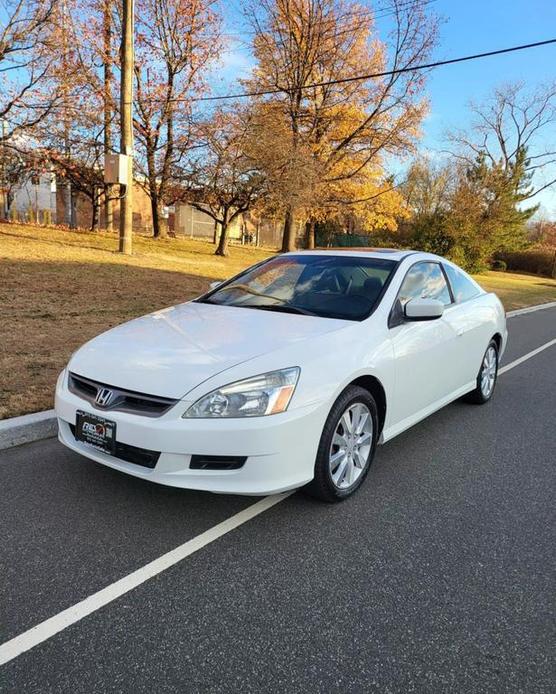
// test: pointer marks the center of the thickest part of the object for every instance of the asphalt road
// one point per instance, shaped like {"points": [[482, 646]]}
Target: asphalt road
{"points": [[437, 576]]}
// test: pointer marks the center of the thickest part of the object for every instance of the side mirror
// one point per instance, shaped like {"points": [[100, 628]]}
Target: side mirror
{"points": [[423, 309], [214, 285]]}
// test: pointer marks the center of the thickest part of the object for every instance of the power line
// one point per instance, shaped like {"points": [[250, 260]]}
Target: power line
{"points": [[355, 78], [386, 73]]}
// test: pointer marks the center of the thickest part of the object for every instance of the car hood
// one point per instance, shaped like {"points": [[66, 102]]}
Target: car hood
{"points": [[169, 352]]}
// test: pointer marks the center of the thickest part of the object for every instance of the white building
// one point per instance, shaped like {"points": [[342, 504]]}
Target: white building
{"points": [[34, 200]]}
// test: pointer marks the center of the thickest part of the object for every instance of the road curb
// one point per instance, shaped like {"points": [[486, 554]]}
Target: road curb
{"points": [[42, 425], [27, 428], [530, 309]]}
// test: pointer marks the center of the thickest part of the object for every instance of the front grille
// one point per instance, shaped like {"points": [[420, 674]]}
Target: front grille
{"points": [[217, 462], [132, 454], [122, 400]]}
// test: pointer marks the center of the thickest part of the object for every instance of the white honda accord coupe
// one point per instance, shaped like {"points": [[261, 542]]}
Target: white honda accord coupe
{"points": [[288, 375]]}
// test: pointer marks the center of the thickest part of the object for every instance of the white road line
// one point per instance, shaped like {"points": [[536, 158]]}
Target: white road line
{"points": [[43, 631], [519, 361]]}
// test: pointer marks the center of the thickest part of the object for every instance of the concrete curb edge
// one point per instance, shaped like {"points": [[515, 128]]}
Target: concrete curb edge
{"points": [[27, 428], [530, 309]]}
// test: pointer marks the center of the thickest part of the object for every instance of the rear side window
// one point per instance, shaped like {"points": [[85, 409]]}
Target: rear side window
{"points": [[425, 281], [463, 288]]}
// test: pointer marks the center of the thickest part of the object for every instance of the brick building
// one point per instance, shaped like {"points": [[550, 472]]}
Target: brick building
{"points": [[39, 199]]}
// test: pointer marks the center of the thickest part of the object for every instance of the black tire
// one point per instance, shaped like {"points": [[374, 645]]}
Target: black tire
{"points": [[323, 486], [478, 396]]}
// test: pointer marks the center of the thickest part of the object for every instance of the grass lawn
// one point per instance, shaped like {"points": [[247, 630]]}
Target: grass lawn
{"points": [[60, 288], [518, 291]]}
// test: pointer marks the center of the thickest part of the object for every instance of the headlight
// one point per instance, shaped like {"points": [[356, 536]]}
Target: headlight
{"points": [[268, 393]]}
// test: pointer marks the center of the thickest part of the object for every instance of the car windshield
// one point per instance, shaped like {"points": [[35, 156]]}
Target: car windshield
{"points": [[329, 286]]}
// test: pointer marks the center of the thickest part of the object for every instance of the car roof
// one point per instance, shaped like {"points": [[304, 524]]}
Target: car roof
{"points": [[366, 252]]}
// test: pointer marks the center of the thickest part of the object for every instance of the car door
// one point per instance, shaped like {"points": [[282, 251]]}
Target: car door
{"points": [[426, 353], [477, 320]]}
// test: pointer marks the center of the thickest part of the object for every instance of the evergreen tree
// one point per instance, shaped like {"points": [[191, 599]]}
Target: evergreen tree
{"points": [[487, 212]]}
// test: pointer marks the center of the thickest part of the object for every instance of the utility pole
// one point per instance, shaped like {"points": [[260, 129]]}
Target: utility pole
{"points": [[107, 37], [126, 115]]}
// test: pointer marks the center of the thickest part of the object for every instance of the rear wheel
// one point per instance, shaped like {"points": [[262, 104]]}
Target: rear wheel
{"points": [[486, 378], [346, 447]]}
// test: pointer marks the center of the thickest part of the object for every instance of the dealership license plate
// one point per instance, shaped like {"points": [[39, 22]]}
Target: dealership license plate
{"points": [[96, 431]]}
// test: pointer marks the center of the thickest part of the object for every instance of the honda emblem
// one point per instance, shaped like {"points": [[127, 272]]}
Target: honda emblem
{"points": [[104, 397]]}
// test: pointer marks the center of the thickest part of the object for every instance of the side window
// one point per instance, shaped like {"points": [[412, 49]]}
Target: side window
{"points": [[462, 287], [425, 281]]}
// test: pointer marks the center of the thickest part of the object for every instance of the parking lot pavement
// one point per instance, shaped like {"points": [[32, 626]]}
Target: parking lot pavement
{"points": [[436, 576], [61, 542]]}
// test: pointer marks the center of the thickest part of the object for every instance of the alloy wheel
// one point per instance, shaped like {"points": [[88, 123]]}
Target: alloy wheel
{"points": [[351, 445], [488, 371]]}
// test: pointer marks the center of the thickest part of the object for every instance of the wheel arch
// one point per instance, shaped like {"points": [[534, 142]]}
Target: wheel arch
{"points": [[376, 389], [497, 337]]}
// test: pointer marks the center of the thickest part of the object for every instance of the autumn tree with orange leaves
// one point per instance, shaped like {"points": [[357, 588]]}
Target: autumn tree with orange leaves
{"points": [[336, 130]]}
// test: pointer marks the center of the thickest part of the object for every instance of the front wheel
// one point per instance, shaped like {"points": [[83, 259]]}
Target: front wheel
{"points": [[346, 447], [486, 378]]}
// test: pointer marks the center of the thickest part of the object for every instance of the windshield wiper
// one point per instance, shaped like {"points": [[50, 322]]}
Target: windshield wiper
{"points": [[249, 290], [281, 308]]}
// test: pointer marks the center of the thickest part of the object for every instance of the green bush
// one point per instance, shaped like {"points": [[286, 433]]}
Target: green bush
{"points": [[537, 261], [499, 265]]}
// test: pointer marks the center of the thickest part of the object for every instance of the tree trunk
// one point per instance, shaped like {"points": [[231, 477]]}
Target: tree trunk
{"points": [[73, 210], [159, 232], [222, 248], [154, 210], [160, 225], [215, 233], [95, 204], [288, 239], [311, 234], [160, 229]]}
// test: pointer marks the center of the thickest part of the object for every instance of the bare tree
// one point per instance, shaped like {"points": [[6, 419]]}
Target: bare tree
{"points": [[84, 171], [222, 181], [514, 120], [76, 134], [108, 98], [176, 41], [428, 186], [26, 34]]}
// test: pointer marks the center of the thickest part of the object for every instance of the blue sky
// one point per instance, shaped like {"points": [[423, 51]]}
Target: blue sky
{"points": [[474, 26], [469, 26]]}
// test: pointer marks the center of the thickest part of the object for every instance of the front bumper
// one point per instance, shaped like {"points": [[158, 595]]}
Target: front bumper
{"points": [[280, 449]]}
